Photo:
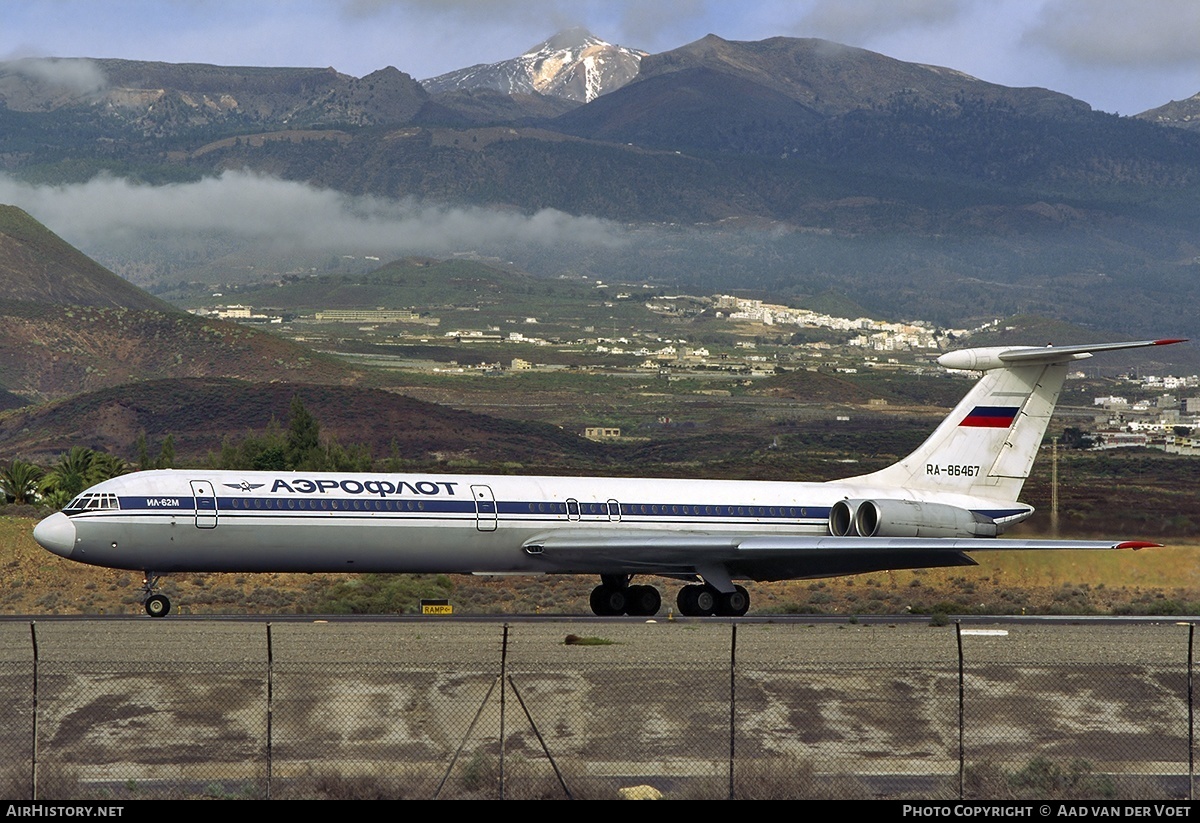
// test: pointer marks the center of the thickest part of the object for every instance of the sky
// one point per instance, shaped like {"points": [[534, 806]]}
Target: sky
{"points": [[1119, 56]]}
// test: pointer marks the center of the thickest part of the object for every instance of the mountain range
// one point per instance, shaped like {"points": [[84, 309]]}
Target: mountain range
{"points": [[1184, 114], [787, 166]]}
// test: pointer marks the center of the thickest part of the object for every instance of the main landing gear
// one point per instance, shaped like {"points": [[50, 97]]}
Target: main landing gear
{"points": [[614, 596], [156, 605], [702, 600]]}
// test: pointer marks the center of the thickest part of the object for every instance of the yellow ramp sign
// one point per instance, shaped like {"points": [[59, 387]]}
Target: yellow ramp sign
{"points": [[436, 607]]}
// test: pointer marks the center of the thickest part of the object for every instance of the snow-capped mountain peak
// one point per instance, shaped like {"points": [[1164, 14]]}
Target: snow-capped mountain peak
{"points": [[573, 64]]}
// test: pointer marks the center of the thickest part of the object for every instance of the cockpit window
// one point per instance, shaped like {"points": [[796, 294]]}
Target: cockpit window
{"points": [[93, 502]]}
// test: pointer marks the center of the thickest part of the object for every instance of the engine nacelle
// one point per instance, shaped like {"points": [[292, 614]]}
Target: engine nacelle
{"points": [[906, 518]]}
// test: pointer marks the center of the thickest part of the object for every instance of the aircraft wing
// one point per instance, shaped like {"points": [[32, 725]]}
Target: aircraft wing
{"points": [[719, 558], [964, 544]]}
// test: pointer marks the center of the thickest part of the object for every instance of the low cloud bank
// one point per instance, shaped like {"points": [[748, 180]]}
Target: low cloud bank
{"points": [[292, 215], [77, 75]]}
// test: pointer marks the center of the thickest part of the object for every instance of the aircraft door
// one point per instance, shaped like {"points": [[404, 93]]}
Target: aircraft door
{"points": [[206, 504], [614, 511], [485, 508]]}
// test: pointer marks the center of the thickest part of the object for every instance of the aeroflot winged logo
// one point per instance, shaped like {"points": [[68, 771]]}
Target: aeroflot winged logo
{"points": [[991, 417], [244, 486]]}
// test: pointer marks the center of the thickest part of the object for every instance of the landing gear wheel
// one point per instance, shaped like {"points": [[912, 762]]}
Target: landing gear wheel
{"points": [[607, 601], [697, 601], [158, 605], [734, 604], [643, 601], [686, 601]]}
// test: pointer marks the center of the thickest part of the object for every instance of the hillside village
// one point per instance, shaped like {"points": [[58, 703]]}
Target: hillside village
{"points": [[745, 319], [1166, 420], [1161, 411]]}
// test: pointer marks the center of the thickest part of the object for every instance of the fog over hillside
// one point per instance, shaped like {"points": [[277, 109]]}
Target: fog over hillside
{"points": [[107, 214], [242, 227]]}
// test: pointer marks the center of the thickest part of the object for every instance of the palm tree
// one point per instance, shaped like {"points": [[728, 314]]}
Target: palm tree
{"points": [[75, 471], [69, 476], [105, 466], [19, 481]]}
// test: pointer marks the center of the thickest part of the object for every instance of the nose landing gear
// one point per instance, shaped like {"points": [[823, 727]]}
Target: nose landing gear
{"points": [[156, 605]]}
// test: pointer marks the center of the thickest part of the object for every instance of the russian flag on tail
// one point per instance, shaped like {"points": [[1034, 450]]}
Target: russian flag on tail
{"points": [[991, 417]]}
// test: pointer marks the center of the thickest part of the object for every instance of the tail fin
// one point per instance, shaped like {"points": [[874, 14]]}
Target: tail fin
{"points": [[987, 445]]}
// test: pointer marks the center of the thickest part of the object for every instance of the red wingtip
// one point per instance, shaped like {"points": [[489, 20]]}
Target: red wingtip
{"points": [[1138, 544], [1169, 340]]}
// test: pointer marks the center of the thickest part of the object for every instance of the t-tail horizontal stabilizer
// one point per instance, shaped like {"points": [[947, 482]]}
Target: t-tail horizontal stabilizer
{"points": [[986, 447], [998, 357]]}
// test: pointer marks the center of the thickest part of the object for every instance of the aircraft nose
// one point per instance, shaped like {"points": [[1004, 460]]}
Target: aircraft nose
{"points": [[56, 534]]}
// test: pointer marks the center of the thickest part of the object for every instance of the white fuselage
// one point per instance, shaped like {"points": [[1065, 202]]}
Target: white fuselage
{"points": [[176, 520]]}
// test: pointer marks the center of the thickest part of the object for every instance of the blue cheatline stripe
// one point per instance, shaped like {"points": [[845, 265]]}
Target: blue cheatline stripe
{"points": [[164, 502], [187, 505], [344, 505], [789, 512], [183, 505]]}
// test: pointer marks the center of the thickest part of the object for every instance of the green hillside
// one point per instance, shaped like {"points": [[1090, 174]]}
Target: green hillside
{"points": [[38, 266], [68, 325], [202, 415]]}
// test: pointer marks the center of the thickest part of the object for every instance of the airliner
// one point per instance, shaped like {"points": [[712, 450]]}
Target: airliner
{"points": [[952, 496]]}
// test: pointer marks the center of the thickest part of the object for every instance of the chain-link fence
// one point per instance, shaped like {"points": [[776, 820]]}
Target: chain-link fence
{"points": [[684, 709]]}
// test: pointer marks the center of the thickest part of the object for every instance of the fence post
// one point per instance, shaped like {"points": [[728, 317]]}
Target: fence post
{"points": [[961, 697], [732, 703], [270, 709], [503, 692], [1191, 714], [33, 754]]}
